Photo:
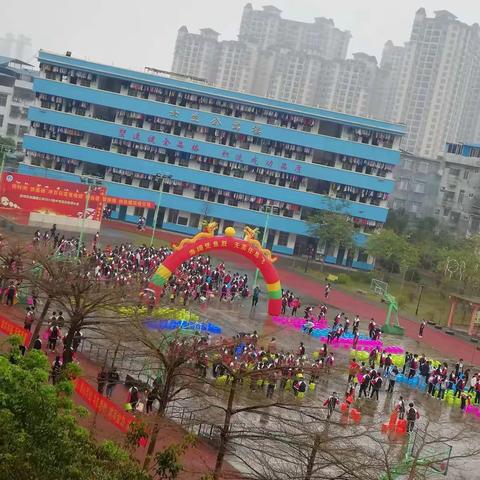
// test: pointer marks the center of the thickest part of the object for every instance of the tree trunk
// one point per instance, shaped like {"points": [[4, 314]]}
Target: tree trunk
{"points": [[164, 398], [38, 326], [311, 458], [225, 432], [75, 324]]}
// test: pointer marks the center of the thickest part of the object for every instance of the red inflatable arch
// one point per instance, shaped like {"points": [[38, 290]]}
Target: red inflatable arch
{"points": [[205, 242]]}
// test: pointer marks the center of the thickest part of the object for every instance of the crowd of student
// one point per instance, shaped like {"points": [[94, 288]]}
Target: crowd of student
{"points": [[266, 367]]}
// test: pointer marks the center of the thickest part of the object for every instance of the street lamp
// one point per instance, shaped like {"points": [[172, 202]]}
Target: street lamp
{"points": [[267, 208], [160, 179], [91, 183], [419, 299]]}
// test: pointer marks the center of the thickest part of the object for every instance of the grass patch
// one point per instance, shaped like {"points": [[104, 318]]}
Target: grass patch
{"points": [[434, 304]]}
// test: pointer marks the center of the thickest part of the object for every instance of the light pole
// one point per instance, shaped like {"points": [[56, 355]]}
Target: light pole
{"points": [[160, 179], [419, 298], [267, 208], [91, 182]]}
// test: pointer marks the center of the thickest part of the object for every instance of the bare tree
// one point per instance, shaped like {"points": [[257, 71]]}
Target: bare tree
{"points": [[88, 302], [179, 362], [12, 264]]}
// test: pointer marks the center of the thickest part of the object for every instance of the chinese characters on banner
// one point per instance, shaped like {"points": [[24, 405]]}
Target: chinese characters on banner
{"points": [[128, 202], [187, 145], [231, 244], [105, 407], [53, 197], [44, 195]]}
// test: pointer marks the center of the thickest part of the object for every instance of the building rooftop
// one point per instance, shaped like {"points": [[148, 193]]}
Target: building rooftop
{"points": [[228, 95]]}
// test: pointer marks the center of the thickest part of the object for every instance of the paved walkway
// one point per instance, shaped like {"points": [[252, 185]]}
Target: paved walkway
{"points": [[448, 345], [198, 460]]}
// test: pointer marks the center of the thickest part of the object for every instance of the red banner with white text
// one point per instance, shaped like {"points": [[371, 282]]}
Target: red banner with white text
{"points": [[53, 197]]}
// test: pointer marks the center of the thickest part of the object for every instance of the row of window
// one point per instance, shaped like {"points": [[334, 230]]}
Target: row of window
{"points": [[229, 108]]}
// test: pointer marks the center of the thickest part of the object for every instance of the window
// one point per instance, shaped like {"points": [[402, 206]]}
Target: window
{"points": [[144, 183], [403, 183], [466, 173], [3, 99], [11, 129], [455, 172], [1, 120], [139, 211], [172, 216], [182, 221], [362, 256], [423, 167], [461, 196], [22, 130], [178, 190], [116, 177], [283, 239], [415, 207], [194, 220], [420, 187]]}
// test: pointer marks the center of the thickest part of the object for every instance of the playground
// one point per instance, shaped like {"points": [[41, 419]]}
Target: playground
{"points": [[229, 318]]}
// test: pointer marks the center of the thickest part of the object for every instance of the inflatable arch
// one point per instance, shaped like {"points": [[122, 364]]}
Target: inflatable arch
{"points": [[206, 241]]}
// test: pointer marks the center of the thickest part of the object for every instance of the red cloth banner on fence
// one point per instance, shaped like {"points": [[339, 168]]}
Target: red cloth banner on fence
{"points": [[10, 328], [105, 407]]}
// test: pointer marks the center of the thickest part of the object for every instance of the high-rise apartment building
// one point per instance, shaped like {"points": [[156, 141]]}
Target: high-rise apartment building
{"points": [[347, 85], [15, 46], [196, 55], [273, 56], [266, 28], [432, 84], [232, 156]]}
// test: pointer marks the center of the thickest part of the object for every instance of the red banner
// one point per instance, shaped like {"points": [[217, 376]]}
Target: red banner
{"points": [[53, 197], [128, 202], [10, 328], [105, 407]]}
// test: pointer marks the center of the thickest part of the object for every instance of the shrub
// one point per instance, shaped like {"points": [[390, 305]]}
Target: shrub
{"points": [[343, 279], [402, 301], [363, 277], [414, 276]]}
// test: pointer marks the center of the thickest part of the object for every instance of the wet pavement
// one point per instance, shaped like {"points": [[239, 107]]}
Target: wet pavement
{"points": [[443, 420]]}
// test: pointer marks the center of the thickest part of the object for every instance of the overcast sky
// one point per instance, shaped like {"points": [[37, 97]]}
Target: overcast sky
{"points": [[138, 33]]}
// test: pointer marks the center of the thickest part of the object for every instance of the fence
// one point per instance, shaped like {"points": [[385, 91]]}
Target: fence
{"points": [[119, 356]]}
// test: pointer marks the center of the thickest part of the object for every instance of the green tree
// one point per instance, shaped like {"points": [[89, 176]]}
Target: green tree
{"points": [[394, 252], [332, 229], [461, 263], [9, 142], [167, 462], [398, 221], [39, 435]]}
